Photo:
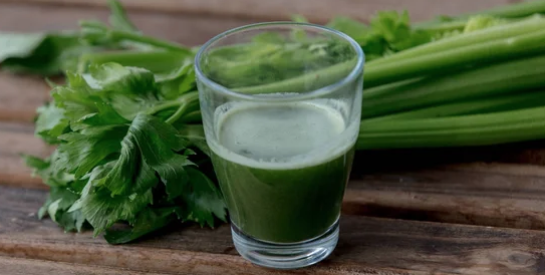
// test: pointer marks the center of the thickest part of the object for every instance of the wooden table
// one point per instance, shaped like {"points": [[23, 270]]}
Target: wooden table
{"points": [[457, 211]]}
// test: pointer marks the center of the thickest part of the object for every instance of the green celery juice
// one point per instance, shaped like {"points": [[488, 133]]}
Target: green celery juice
{"points": [[283, 167]]}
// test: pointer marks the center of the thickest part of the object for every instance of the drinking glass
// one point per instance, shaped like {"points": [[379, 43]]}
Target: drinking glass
{"points": [[281, 106]]}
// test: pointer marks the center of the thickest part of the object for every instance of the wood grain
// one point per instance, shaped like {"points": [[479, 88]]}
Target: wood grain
{"points": [[456, 187], [17, 266], [17, 139], [492, 195], [13, 172], [20, 95], [317, 10], [366, 246], [187, 29]]}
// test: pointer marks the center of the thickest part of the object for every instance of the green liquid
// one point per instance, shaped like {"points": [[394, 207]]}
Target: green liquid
{"points": [[283, 168]]}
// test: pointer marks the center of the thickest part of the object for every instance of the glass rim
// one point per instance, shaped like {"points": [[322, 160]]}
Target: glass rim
{"points": [[354, 73]]}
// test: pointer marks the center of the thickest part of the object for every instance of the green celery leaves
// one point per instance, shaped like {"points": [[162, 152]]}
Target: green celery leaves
{"points": [[118, 18], [388, 32], [145, 222], [203, 201], [51, 122], [117, 158], [124, 151]]}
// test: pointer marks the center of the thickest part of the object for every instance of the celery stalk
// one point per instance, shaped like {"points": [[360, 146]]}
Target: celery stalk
{"points": [[497, 79], [383, 73], [496, 50], [441, 27], [306, 82], [516, 10], [156, 61], [470, 130], [453, 137], [521, 9], [482, 36], [101, 29], [192, 117], [502, 103], [457, 122]]}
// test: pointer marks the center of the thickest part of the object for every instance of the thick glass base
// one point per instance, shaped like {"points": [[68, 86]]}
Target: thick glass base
{"points": [[286, 256]]}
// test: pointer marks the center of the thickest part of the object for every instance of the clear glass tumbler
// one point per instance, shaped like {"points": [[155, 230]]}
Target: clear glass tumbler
{"points": [[281, 106]]}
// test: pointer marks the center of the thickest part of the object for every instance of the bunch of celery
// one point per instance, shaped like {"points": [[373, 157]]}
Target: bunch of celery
{"points": [[467, 81], [477, 88]]}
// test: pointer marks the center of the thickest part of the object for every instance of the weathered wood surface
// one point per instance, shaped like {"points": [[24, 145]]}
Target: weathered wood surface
{"points": [[316, 10], [18, 266], [405, 211], [188, 29], [366, 246], [395, 184]]}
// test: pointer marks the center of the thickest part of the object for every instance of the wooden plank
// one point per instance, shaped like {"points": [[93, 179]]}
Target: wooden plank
{"points": [[17, 139], [493, 195], [316, 10], [20, 95], [366, 246], [492, 186], [454, 194], [17, 266], [443, 194], [406, 184], [189, 30], [13, 172]]}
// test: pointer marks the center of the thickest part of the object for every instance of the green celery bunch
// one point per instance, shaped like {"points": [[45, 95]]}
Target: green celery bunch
{"points": [[123, 154], [126, 150]]}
